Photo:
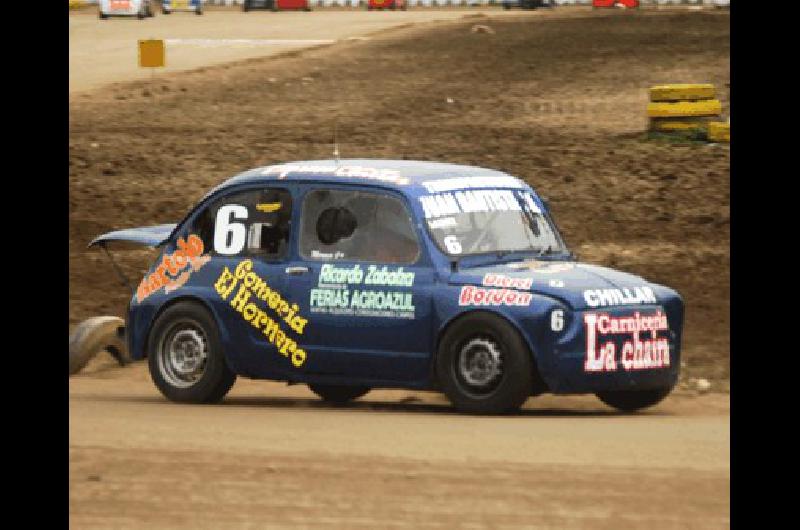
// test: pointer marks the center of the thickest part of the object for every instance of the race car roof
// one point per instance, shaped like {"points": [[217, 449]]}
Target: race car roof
{"points": [[408, 176]]}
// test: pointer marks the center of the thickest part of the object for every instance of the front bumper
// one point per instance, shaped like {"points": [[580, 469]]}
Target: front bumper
{"points": [[621, 348]]}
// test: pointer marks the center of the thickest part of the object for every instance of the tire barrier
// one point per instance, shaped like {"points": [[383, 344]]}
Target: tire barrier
{"points": [[94, 335], [687, 110]]}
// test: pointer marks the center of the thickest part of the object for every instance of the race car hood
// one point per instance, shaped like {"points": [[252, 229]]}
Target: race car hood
{"points": [[151, 236], [580, 285]]}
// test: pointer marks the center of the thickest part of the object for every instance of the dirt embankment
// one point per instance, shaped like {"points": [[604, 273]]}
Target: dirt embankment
{"points": [[559, 102]]}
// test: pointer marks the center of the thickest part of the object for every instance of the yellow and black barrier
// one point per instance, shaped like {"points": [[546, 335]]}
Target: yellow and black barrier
{"points": [[687, 110]]}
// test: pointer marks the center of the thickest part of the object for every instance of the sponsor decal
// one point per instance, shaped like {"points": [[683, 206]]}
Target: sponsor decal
{"points": [[252, 297], [644, 350], [469, 201], [542, 267], [507, 295], [625, 296], [370, 173], [316, 254], [480, 296], [339, 291], [120, 5], [501, 280], [460, 183], [175, 268]]}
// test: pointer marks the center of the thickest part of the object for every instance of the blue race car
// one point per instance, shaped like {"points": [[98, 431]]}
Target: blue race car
{"points": [[358, 274]]}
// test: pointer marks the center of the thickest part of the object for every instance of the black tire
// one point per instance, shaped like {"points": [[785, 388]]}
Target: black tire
{"points": [[246, 6], [491, 336], [633, 400], [191, 320], [198, 12], [103, 16], [339, 394], [166, 11]]}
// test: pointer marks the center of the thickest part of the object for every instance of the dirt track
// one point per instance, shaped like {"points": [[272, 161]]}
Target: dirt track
{"points": [[559, 102], [275, 456]]}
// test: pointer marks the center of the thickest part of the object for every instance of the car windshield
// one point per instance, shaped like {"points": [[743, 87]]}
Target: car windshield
{"points": [[487, 221]]}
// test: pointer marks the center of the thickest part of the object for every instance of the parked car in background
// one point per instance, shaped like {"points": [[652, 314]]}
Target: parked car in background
{"points": [[125, 8], [192, 6]]}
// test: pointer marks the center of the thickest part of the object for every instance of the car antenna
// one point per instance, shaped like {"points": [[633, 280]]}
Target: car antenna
{"points": [[336, 141]]}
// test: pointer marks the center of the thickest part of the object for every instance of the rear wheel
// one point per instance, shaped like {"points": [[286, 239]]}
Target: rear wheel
{"points": [[339, 394], [186, 360], [633, 400], [484, 366]]}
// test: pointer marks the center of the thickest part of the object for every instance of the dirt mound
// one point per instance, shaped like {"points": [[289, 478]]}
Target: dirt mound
{"points": [[559, 102]]}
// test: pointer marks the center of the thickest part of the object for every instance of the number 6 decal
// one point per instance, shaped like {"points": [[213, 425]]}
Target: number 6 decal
{"points": [[229, 237], [453, 245]]}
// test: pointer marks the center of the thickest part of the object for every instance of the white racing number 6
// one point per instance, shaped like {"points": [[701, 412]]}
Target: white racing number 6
{"points": [[229, 237], [557, 320], [452, 244]]}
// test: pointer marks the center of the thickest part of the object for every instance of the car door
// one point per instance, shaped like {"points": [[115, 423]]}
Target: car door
{"points": [[364, 282], [249, 233]]}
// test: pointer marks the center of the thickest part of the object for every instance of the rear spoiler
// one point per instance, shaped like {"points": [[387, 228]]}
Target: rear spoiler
{"points": [[151, 236]]}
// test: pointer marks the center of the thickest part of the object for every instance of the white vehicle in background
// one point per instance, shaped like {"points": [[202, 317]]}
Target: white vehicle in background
{"points": [[126, 8], [192, 6]]}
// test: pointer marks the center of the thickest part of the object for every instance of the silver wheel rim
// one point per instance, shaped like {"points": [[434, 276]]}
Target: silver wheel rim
{"points": [[480, 365], [183, 354]]}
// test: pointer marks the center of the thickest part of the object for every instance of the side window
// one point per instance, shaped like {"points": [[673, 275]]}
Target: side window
{"points": [[356, 226], [248, 223]]}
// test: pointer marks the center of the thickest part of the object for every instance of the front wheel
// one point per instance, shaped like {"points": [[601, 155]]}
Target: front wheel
{"points": [[186, 360], [484, 366], [633, 400], [337, 393]]}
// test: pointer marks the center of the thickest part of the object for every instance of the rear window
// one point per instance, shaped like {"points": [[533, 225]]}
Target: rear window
{"points": [[247, 223]]}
